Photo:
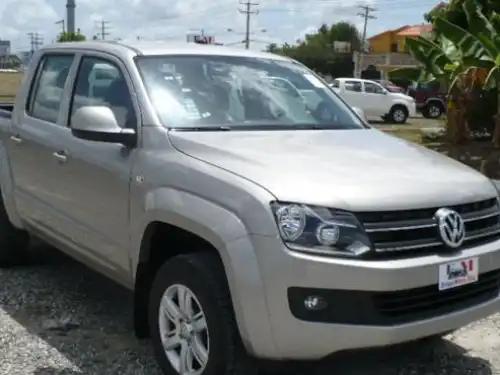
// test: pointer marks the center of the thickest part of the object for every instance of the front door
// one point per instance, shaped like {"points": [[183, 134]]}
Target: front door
{"points": [[36, 136], [376, 99], [97, 175]]}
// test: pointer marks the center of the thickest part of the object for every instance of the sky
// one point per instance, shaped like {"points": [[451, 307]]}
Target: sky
{"points": [[277, 21]]}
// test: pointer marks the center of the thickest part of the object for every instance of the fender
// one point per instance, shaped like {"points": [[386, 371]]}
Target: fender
{"points": [[435, 99], [226, 233], [7, 189], [399, 102]]}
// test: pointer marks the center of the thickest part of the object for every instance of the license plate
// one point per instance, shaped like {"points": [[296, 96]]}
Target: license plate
{"points": [[458, 273]]}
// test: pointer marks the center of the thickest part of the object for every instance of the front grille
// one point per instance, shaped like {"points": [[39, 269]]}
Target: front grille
{"points": [[406, 230], [427, 302]]}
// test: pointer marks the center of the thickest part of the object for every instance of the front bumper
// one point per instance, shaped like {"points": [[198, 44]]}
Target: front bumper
{"points": [[297, 338], [412, 109]]}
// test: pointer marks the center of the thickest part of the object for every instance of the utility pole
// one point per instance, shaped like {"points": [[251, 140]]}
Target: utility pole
{"points": [[366, 15], [36, 40], [248, 12], [63, 28], [103, 25]]}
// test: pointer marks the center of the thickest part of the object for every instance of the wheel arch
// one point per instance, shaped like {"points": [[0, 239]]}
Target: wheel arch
{"points": [[168, 228], [7, 189]]}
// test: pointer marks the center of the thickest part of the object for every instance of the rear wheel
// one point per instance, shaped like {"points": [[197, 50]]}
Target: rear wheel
{"points": [[433, 110], [14, 243], [398, 114], [192, 322]]}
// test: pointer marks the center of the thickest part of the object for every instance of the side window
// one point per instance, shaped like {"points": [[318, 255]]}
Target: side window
{"points": [[336, 84], [353, 86], [100, 82], [47, 92], [373, 88]]}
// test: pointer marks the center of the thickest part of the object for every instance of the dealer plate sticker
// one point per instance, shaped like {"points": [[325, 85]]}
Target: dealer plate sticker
{"points": [[462, 272]]}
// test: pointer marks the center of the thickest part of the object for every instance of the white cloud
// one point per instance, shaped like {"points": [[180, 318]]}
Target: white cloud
{"points": [[284, 20]]}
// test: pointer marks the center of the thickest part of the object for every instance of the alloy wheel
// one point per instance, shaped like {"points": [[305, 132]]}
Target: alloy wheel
{"points": [[183, 330]]}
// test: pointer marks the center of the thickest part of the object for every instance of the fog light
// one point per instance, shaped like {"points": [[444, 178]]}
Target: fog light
{"points": [[315, 303]]}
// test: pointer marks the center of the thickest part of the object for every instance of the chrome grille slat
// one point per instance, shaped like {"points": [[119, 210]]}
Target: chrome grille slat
{"points": [[416, 231]]}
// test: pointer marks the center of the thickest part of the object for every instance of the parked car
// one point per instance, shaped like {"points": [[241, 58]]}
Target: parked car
{"points": [[375, 100], [431, 98], [252, 218], [389, 86]]}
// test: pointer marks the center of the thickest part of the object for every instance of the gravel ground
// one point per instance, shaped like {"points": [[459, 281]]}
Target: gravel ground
{"points": [[61, 318]]}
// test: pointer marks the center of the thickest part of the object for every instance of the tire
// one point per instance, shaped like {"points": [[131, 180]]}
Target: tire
{"points": [[14, 243], [398, 114], [203, 277], [434, 110]]}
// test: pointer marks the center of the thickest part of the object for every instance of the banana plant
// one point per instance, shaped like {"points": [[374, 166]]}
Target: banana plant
{"points": [[480, 47], [439, 60]]}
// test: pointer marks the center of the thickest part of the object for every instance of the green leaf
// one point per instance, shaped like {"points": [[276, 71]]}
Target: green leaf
{"points": [[410, 74], [480, 63], [430, 55], [451, 67], [479, 24], [468, 43]]}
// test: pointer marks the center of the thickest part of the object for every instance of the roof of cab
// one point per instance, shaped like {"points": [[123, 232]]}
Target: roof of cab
{"points": [[161, 48]]}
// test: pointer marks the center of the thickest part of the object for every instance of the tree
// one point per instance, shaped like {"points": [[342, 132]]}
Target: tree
{"points": [[454, 11], [10, 62], [71, 37], [316, 50]]}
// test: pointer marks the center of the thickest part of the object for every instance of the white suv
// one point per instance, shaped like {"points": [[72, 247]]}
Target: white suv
{"points": [[374, 99]]}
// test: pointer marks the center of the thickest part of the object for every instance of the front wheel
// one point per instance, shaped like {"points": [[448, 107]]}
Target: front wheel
{"points": [[191, 318]]}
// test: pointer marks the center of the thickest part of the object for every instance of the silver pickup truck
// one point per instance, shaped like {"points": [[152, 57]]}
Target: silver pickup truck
{"points": [[254, 214]]}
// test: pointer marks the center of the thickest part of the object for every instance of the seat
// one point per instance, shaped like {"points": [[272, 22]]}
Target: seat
{"points": [[118, 98]]}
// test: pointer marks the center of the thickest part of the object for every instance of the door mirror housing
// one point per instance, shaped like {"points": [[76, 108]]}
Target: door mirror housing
{"points": [[98, 124], [360, 113]]}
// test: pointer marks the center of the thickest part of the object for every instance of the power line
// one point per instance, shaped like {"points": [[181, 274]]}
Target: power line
{"points": [[248, 12], [36, 40], [104, 27]]}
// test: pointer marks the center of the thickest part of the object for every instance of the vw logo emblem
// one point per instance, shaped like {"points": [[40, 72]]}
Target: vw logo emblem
{"points": [[451, 227]]}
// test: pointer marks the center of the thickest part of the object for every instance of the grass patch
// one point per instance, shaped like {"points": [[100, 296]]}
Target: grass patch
{"points": [[408, 133], [10, 82]]}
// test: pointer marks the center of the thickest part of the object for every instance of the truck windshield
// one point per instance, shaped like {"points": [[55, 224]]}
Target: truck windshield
{"points": [[236, 93]]}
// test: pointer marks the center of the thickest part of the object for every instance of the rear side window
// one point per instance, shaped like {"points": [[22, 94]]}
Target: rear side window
{"points": [[48, 89], [336, 84], [353, 86]]}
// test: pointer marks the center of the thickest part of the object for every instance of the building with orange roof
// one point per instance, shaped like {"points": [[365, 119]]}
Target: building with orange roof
{"points": [[395, 40]]}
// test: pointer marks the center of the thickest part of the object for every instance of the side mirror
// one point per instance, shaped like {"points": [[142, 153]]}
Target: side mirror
{"points": [[360, 113], [98, 123]]}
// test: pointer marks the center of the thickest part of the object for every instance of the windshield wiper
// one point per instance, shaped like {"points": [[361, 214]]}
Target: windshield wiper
{"points": [[210, 128]]}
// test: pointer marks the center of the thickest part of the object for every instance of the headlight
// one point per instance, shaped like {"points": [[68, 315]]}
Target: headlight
{"points": [[320, 230]]}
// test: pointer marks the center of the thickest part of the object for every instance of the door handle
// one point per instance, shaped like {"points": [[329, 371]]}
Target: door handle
{"points": [[16, 139], [60, 156]]}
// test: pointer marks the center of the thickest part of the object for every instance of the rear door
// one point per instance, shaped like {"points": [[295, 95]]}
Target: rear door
{"points": [[352, 93], [36, 135]]}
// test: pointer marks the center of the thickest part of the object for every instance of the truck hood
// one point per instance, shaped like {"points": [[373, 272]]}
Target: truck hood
{"points": [[401, 96], [357, 170]]}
